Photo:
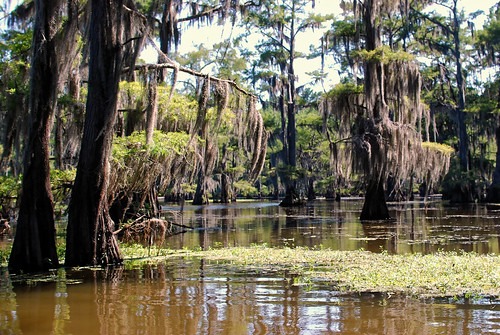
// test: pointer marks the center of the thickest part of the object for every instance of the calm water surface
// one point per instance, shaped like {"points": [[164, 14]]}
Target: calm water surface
{"points": [[418, 227], [190, 296]]}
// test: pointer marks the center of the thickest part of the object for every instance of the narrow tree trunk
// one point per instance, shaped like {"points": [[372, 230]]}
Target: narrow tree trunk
{"points": [[225, 179], [494, 189], [90, 239], [273, 164], [58, 140], [463, 145], [34, 247], [291, 196], [152, 108]]}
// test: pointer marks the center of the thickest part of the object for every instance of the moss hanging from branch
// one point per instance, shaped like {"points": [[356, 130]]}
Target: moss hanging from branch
{"points": [[215, 104], [394, 144]]}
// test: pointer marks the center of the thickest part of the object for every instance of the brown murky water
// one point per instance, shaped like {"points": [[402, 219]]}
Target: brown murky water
{"points": [[418, 227], [191, 296]]}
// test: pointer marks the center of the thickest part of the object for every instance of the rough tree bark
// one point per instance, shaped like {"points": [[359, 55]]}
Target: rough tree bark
{"points": [[291, 196], [90, 239], [375, 205], [34, 247]]}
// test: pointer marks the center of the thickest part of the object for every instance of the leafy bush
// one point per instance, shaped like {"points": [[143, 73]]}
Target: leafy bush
{"points": [[245, 189], [9, 191], [61, 183]]}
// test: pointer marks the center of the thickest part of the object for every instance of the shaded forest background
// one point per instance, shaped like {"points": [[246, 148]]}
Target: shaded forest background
{"points": [[92, 132]]}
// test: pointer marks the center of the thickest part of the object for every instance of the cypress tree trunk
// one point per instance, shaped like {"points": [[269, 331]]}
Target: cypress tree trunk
{"points": [[14, 104], [463, 145], [273, 163], [34, 246], [90, 239], [200, 195], [225, 180], [494, 189], [373, 207], [291, 196], [152, 107]]}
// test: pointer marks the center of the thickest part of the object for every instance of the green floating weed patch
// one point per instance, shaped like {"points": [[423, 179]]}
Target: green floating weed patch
{"points": [[440, 274], [443, 274]]}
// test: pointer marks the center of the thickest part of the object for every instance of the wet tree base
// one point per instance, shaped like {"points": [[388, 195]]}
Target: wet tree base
{"points": [[375, 206], [493, 194], [292, 201]]}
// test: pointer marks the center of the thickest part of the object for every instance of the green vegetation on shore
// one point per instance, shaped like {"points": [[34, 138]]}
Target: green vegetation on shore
{"points": [[443, 274]]}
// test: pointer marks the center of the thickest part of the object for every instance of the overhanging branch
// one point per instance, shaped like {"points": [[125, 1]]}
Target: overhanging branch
{"points": [[172, 65]]}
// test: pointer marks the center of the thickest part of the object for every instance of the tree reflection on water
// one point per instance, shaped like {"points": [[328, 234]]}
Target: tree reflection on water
{"points": [[190, 296]]}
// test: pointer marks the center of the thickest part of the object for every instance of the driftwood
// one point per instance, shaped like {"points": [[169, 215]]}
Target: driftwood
{"points": [[149, 231]]}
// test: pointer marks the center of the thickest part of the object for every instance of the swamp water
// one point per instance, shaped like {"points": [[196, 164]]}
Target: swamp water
{"points": [[193, 296]]}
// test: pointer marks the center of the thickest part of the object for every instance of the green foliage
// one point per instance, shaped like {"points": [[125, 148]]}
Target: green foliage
{"points": [[236, 170], [5, 249], [344, 89], [244, 188], [164, 144], [9, 186], [9, 191], [61, 183], [310, 119], [139, 168], [15, 49], [343, 28], [14, 44], [133, 89], [384, 55], [271, 119], [463, 186], [443, 274], [488, 39], [188, 188], [179, 109], [446, 149]]}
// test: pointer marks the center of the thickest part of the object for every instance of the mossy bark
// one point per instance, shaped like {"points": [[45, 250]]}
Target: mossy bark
{"points": [[34, 247]]}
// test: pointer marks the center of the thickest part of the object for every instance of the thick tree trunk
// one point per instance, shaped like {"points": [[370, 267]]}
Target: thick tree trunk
{"points": [[200, 196], [375, 206], [34, 247], [90, 239]]}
